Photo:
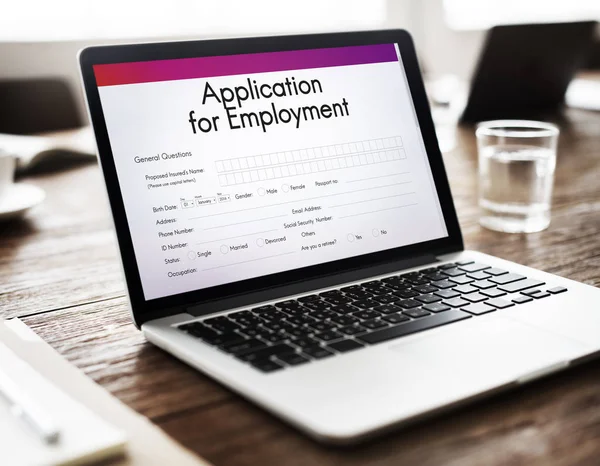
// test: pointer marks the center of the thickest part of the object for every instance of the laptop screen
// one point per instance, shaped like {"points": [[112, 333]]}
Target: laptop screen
{"points": [[241, 166]]}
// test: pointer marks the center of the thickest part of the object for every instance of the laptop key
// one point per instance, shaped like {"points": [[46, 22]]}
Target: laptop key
{"points": [[522, 299], [331, 294], [408, 303], [395, 318], [453, 272], [352, 329], [500, 303], [366, 315], [241, 315], [292, 359], [416, 313], [288, 304], [323, 315], [436, 307], [397, 286], [244, 346], [447, 294], [544, 294], [461, 280], [483, 284], [379, 290], [304, 342], [321, 326], [317, 305], [478, 308], [298, 332], [371, 283], [203, 333], [474, 267], [317, 352], [386, 299], [338, 301], [495, 271], [437, 275], [265, 308], [272, 326], [328, 335], [417, 280], [406, 294], [443, 284], [344, 320], [531, 292], [387, 309], [273, 337], [447, 266], [265, 353], [225, 327], [308, 298], [520, 285], [493, 292], [361, 294], [191, 325], [425, 289], [365, 303], [345, 309], [465, 289], [266, 365], [428, 298], [273, 315], [464, 262], [373, 324], [216, 320], [345, 345], [557, 289], [351, 288], [248, 322], [249, 331], [224, 339], [407, 328], [456, 302], [295, 312], [300, 321], [506, 278], [475, 297], [392, 279], [481, 275]]}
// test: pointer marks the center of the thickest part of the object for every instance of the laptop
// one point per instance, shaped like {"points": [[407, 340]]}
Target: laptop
{"points": [[524, 70], [286, 227]]}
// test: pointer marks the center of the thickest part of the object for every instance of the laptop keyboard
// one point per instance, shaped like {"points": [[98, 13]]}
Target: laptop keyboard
{"points": [[317, 326]]}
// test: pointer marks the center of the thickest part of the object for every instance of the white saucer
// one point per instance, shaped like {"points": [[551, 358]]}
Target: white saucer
{"points": [[18, 199]]}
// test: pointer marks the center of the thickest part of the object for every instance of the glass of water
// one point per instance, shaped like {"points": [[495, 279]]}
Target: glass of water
{"points": [[517, 159]]}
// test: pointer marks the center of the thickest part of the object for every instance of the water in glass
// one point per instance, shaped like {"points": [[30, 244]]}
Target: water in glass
{"points": [[516, 187]]}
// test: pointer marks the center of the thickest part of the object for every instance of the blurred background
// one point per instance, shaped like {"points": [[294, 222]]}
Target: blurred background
{"points": [[41, 39]]}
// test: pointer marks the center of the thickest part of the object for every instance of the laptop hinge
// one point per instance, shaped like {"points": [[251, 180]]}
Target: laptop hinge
{"points": [[309, 285]]}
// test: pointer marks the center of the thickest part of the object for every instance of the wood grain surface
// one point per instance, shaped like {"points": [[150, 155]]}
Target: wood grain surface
{"points": [[59, 271]]}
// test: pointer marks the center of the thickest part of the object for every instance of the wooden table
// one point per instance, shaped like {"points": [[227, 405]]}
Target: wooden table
{"points": [[59, 272]]}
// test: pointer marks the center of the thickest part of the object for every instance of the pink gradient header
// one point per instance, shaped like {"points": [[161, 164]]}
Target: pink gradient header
{"points": [[227, 65]]}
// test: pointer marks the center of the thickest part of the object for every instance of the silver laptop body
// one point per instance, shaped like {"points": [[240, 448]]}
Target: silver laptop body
{"points": [[286, 227]]}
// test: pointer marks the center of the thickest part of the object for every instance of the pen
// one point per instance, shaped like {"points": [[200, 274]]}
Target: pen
{"points": [[20, 406]]}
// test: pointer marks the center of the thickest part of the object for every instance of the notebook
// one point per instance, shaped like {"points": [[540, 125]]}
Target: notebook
{"points": [[116, 427], [84, 436], [32, 151]]}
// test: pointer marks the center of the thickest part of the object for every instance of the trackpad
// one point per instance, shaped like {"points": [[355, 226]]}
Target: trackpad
{"points": [[490, 350]]}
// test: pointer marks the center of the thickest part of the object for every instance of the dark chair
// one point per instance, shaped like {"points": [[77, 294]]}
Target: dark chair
{"points": [[37, 105]]}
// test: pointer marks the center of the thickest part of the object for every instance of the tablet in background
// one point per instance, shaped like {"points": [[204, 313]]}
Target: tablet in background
{"points": [[524, 70]]}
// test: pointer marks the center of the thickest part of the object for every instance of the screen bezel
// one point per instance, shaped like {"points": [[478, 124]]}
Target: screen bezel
{"points": [[142, 308]]}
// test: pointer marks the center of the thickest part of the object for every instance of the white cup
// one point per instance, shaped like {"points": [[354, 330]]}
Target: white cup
{"points": [[7, 173]]}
